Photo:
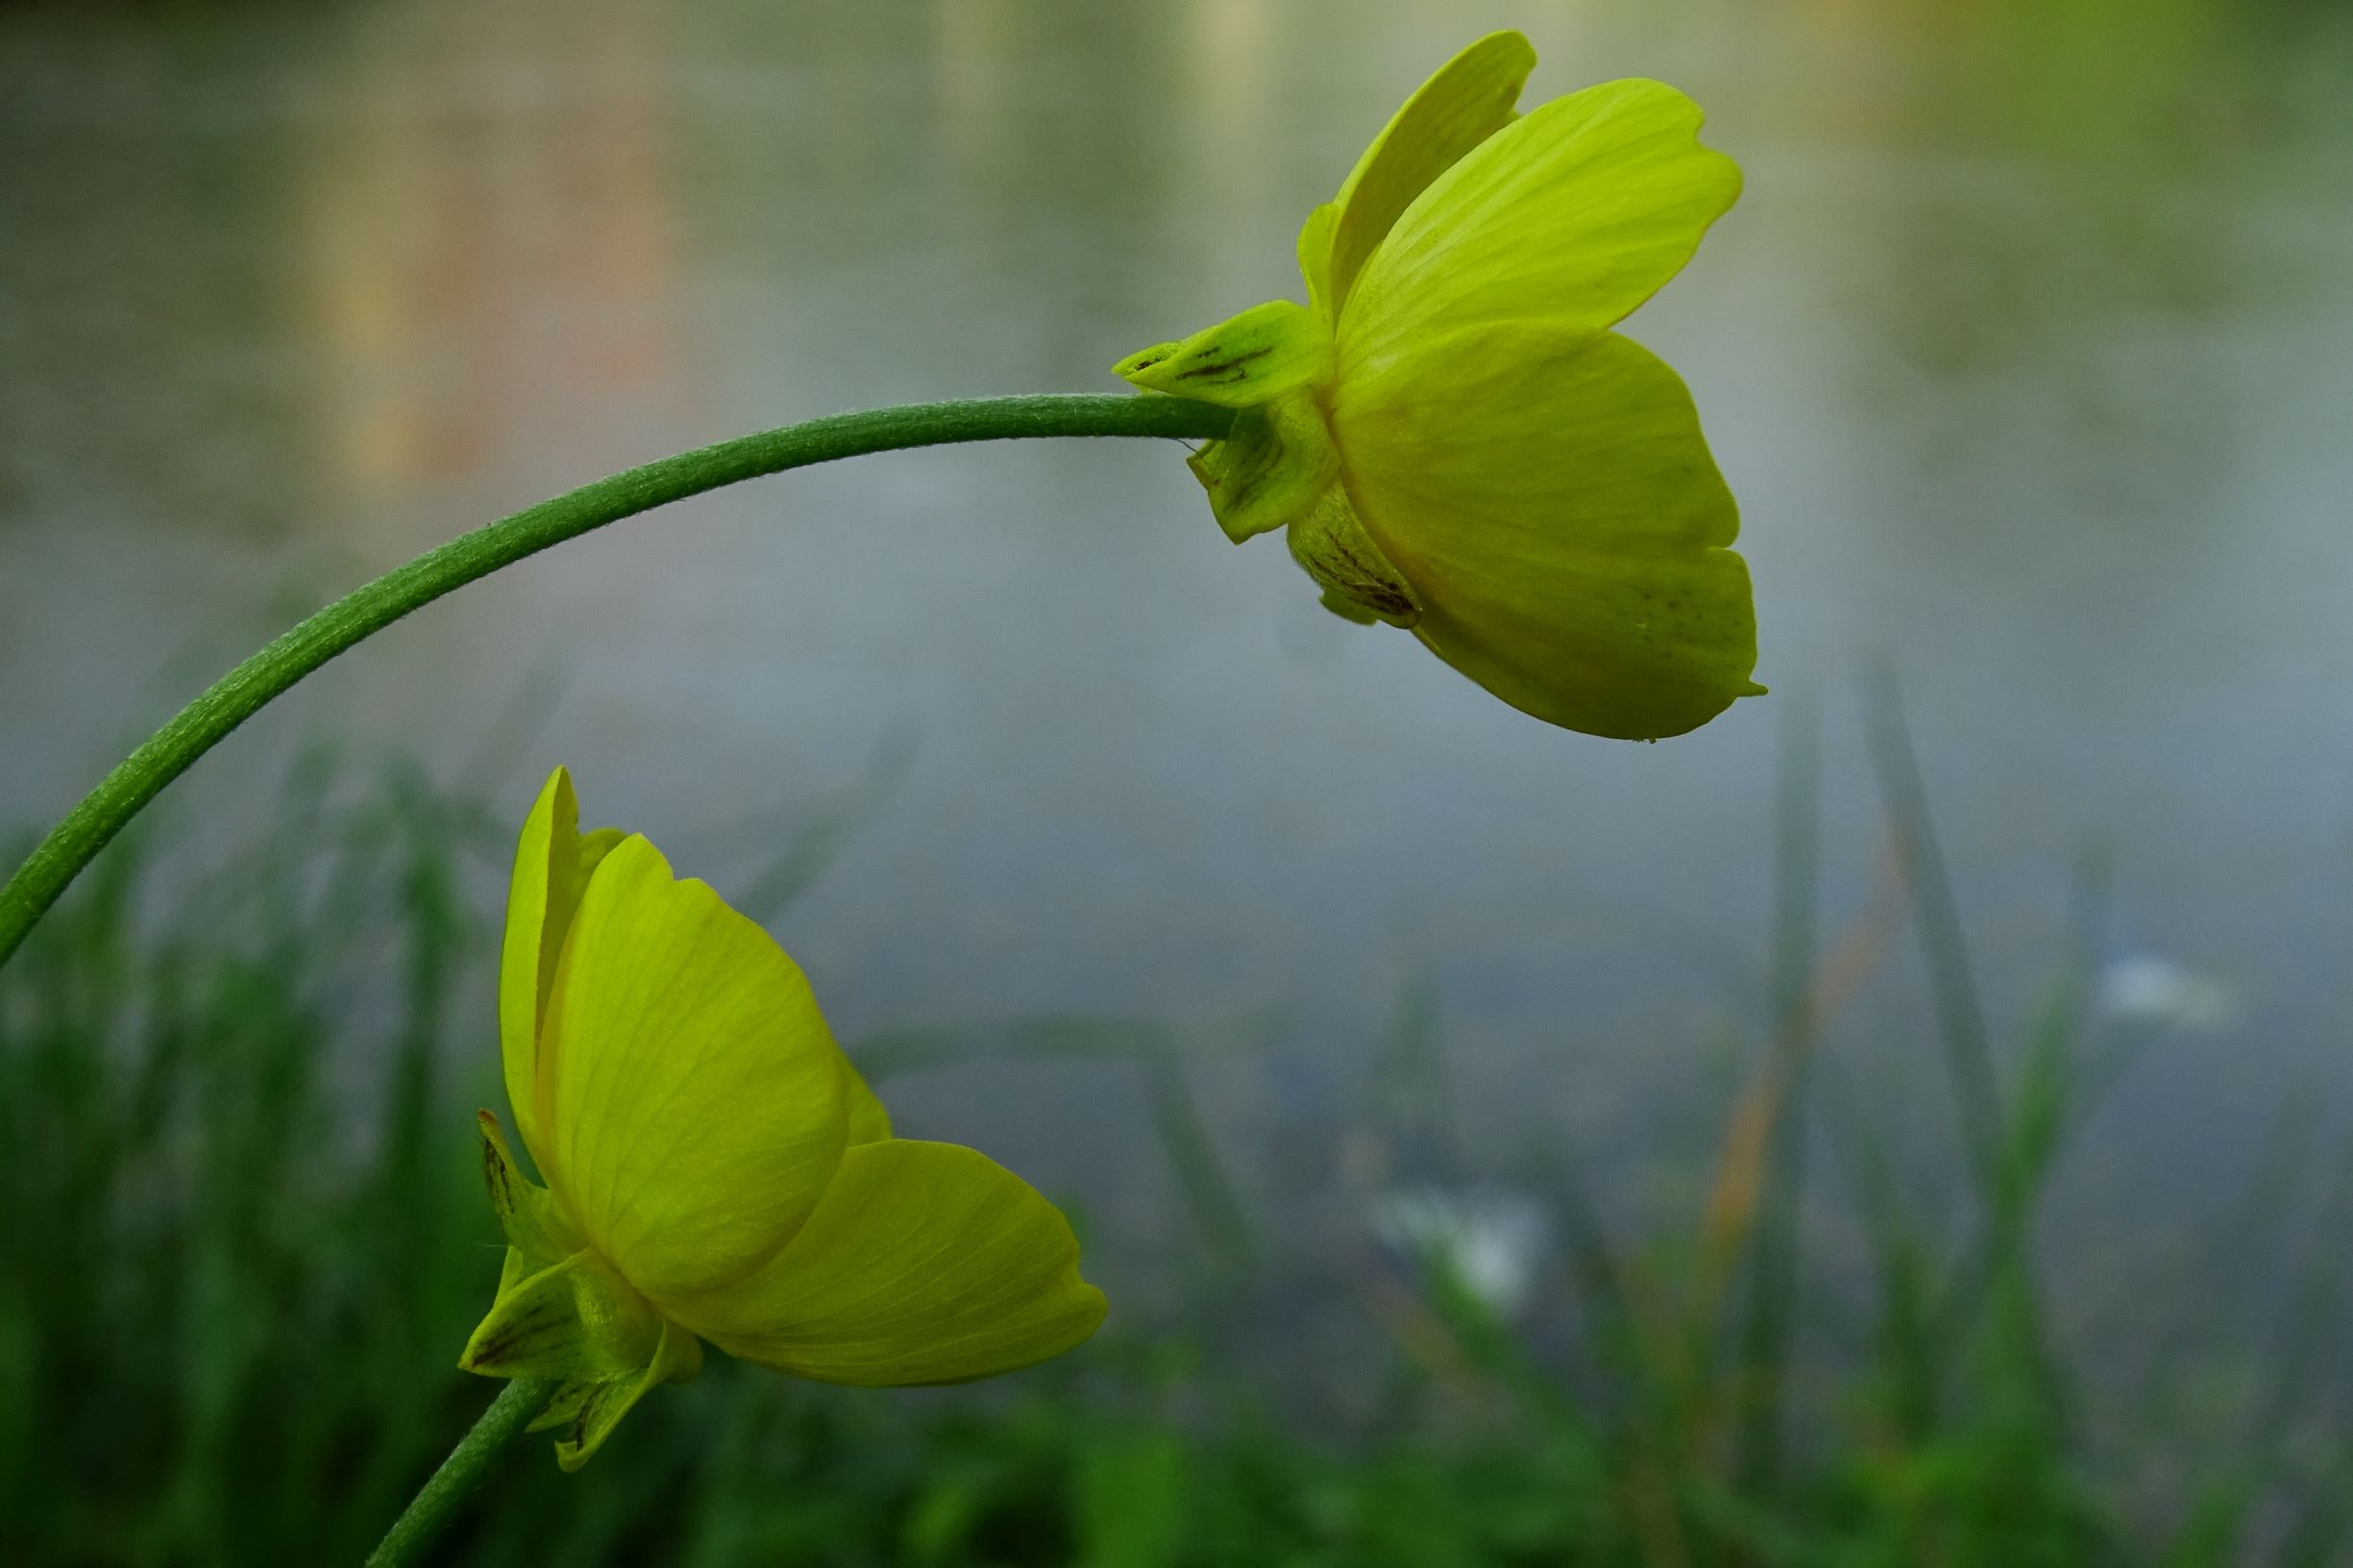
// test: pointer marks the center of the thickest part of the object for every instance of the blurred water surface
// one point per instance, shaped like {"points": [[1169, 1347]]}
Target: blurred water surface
{"points": [[2029, 352]]}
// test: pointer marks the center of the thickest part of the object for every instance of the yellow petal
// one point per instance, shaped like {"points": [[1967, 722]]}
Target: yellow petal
{"points": [[540, 898], [926, 1263], [1468, 100], [595, 845], [1266, 351], [553, 863], [1550, 499], [692, 1099], [1570, 217]]}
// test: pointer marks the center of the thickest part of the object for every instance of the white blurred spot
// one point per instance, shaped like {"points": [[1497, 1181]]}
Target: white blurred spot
{"points": [[1491, 1238], [2157, 992]]}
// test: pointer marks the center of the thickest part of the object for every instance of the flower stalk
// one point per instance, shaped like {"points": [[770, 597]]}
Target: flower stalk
{"points": [[237, 696], [427, 1514]]}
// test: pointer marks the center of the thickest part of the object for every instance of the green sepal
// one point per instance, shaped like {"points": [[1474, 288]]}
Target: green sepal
{"points": [[1270, 469], [563, 1314], [589, 1410], [560, 1311], [529, 1217], [1266, 351], [1332, 546], [575, 1319]]}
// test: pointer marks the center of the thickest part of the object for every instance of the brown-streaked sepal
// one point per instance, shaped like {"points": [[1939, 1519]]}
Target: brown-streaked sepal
{"points": [[585, 1412], [1360, 582], [573, 1320], [528, 1216], [1270, 469], [1244, 361]]}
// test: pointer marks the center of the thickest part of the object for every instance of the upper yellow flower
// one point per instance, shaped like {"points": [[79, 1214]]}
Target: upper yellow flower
{"points": [[1450, 431], [717, 1170]]}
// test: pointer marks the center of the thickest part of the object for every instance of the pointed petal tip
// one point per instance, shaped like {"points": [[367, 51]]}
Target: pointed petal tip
{"points": [[1492, 239], [558, 788], [1464, 103]]}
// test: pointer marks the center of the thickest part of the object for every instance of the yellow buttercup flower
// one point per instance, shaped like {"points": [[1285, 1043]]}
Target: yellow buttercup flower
{"points": [[715, 1169], [1452, 435]]}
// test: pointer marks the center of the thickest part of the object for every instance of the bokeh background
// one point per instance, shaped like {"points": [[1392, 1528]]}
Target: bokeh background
{"points": [[1385, 1041]]}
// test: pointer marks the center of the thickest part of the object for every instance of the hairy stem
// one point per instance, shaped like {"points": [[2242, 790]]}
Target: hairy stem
{"points": [[244, 691], [413, 1533]]}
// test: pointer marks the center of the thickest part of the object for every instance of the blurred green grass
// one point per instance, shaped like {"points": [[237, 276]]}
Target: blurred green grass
{"points": [[241, 1236]]}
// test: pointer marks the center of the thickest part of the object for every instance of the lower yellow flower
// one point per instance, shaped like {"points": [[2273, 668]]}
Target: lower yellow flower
{"points": [[715, 1169]]}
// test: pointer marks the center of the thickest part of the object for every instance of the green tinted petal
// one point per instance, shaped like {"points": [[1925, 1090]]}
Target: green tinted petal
{"points": [[1550, 498], [553, 863], [1315, 261], [691, 1097], [588, 1411], [1570, 217], [574, 1319], [1267, 350], [541, 896], [1270, 469], [595, 845], [926, 1263], [1467, 101], [868, 1121]]}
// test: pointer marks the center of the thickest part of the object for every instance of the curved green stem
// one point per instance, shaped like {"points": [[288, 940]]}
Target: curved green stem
{"points": [[429, 1512], [244, 691]]}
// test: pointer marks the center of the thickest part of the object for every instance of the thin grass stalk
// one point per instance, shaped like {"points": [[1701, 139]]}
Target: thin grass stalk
{"points": [[1774, 1256], [1960, 1015]]}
